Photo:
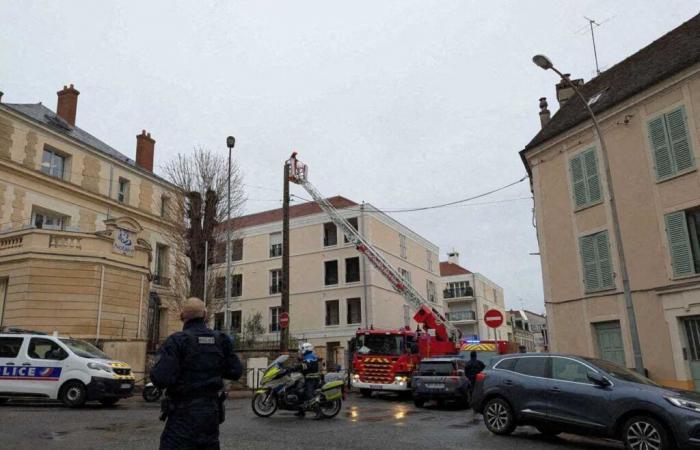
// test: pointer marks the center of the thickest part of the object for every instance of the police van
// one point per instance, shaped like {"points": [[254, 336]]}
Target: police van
{"points": [[34, 364]]}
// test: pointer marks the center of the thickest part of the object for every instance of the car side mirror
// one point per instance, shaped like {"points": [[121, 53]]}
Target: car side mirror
{"points": [[598, 379]]}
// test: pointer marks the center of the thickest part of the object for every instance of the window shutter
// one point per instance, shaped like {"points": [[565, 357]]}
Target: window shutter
{"points": [[604, 260], [679, 244], [590, 164], [588, 260], [680, 142], [578, 181], [660, 147]]}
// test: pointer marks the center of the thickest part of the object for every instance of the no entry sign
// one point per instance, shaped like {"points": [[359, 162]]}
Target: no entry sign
{"points": [[284, 320], [493, 318]]}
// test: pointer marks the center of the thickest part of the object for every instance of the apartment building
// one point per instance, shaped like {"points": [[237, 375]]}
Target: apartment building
{"points": [[83, 247], [333, 290], [648, 106], [520, 331], [467, 296]]}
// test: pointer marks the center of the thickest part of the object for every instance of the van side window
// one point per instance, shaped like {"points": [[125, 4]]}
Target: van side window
{"points": [[40, 348], [9, 346]]}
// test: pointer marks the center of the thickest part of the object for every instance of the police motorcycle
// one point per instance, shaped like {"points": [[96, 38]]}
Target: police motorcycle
{"points": [[283, 388], [151, 393]]}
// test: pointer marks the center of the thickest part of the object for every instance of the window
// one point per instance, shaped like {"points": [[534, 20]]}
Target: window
{"points": [[429, 259], [123, 192], [570, 370], [9, 346], [235, 318], [430, 288], [354, 310], [237, 250], [352, 269], [353, 222], [164, 205], [275, 319], [402, 245], [585, 181], [507, 364], [275, 281], [53, 163], [683, 233], [275, 244], [670, 144], [331, 273], [535, 366], [41, 348], [49, 220], [161, 263], [457, 289], [330, 234], [332, 312], [405, 274], [596, 262]]}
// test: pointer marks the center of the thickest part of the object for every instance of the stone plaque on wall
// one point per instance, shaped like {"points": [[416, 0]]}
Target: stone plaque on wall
{"points": [[123, 242]]}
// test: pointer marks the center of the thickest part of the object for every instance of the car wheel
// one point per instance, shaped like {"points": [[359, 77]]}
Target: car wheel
{"points": [[109, 401], [419, 402], [73, 394], [498, 417], [366, 393], [548, 430], [645, 433]]}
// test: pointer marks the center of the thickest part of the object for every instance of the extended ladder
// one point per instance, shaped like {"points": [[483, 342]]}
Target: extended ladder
{"points": [[298, 174]]}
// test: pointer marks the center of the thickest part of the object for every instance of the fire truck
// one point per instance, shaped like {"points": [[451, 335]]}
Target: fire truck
{"points": [[384, 359]]}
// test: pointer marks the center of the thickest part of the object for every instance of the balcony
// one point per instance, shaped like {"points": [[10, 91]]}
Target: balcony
{"points": [[458, 293], [461, 317]]}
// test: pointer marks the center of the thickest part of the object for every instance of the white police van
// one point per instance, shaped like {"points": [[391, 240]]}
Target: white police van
{"points": [[34, 364]]}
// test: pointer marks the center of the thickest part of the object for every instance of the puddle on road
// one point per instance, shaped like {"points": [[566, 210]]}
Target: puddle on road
{"points": [[380, 414], [52, 435]]}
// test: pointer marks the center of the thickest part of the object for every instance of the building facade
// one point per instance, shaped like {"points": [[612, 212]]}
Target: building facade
{"points": [[520, 331], [649, 109], [467, 296], [83, 246], [333, 290]]}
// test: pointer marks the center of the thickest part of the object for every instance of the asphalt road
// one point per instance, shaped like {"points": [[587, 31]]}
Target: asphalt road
{"points": [[377, 423]]}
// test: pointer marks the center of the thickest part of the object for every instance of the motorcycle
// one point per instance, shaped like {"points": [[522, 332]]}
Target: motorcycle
{"points": [[283, 388]]}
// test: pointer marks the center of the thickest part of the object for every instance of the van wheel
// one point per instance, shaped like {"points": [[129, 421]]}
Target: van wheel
{"points": [[111, 401], [645, 433], [73, 394], [498, 416]]}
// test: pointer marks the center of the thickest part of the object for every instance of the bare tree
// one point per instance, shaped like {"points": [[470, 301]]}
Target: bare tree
{"points": [[202, 209]]}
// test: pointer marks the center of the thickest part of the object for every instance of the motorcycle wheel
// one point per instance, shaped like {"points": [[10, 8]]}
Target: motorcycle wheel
{"points": [[262, 409], [330, 409], [151, 394]]}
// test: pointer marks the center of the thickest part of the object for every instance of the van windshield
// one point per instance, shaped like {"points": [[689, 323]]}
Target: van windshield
{"points": [[82, 348]]}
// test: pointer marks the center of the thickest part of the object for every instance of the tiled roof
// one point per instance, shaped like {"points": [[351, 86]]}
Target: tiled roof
{"points": [[668, 55], [448, 269], [275, 215]]}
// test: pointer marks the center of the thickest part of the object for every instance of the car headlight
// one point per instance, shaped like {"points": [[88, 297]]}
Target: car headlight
{"points": [[356, 377], [683, 403], [400, 379], [99, 366]]}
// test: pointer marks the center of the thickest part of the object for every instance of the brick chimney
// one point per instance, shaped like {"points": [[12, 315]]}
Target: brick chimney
{"points": [[67, 104], [544, 112], [145, 146], [453, 257], [564, 91]]}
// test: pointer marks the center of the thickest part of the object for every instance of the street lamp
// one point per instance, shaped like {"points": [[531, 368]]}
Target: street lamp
{"points": [[545, 63], [230, 142]]}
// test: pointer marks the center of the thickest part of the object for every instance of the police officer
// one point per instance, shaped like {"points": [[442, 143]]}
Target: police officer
{"points": [[309, 368], [191, 367]]}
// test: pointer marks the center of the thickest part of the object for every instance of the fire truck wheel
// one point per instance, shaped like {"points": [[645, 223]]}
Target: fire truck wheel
{"points": [[419, 402], [366, 393]]}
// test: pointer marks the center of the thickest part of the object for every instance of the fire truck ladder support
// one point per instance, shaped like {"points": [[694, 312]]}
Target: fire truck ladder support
{"points": [[298, 175]]}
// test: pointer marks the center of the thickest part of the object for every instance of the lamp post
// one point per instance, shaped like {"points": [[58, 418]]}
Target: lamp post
{"points": [[545, 63], [230, 142]]}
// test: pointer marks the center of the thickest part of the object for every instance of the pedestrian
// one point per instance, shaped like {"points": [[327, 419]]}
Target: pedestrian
{"points": [[191, 366], [471, 368]]}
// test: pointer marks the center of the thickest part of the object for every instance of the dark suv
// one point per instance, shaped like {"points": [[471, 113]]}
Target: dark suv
{"points": [[441, 379], [557, 393]]}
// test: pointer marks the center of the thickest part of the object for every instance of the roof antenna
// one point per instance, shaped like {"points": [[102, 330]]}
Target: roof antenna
{"points": [[592, 22]]}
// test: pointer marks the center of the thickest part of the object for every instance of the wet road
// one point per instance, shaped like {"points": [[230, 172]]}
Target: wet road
{"points": [[386, 423]]}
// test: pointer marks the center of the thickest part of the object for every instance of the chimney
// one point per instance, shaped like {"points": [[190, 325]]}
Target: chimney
{"points": [[544, 112], [564, 91], [145, 146], [67, 104], [453, 257]]}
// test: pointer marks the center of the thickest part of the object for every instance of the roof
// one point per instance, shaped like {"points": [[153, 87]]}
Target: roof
{"points": [[40, 113], [275, 215], [448, 269], [668, 55]]}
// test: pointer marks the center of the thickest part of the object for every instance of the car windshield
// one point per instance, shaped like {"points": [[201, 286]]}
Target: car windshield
{"points": [[436, 368], [621, 373], [82, 348], [380, 344]]}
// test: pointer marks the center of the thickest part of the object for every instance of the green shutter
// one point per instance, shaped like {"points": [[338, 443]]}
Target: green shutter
{"points": [[604, 261], [679, 244], [680, 142], [588, 260], [660, 148], [590, 164], [578, 181]]}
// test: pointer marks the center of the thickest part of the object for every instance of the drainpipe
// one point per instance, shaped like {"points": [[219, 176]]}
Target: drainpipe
{"points": [[138, 328], [99, 305]]}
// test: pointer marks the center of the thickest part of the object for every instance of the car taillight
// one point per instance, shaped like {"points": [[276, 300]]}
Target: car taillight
{"points": [[454, 373], [481, 376]]}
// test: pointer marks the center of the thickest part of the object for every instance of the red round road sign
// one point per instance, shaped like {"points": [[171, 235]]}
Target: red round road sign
{"points": [[493, 318], [284, 320]]}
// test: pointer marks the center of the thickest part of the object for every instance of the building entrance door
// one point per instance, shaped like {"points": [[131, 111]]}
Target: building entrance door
{"points": [[692, 351], [332, 356], [609, 337]]}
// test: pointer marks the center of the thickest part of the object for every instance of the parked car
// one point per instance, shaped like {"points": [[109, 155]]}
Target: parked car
{"points": [[441, 379], [565, 393], [37, 365]]}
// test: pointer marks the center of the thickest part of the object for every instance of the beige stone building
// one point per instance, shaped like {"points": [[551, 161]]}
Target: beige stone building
{"points": [[333, 290], [83, 243], [649, 109]]}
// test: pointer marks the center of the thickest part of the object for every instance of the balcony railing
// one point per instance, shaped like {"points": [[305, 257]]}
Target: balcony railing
{"points": [[457, 316], [458, 292]]}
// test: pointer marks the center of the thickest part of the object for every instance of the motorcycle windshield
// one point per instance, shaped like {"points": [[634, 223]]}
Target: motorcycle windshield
{"points": [[278, 362]]}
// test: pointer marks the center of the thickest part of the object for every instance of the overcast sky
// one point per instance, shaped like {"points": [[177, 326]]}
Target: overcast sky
{"points": [[397, 103]]}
